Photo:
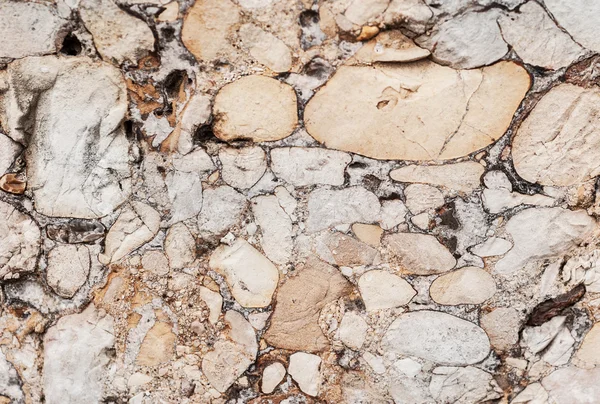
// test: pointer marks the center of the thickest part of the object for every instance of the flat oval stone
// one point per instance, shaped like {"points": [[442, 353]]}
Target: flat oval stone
{"points": [[437, 337], [468, 285]]}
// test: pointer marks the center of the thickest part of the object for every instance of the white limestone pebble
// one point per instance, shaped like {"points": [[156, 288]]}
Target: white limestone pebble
{"points": [[243, 167], [276, 228], [502, 327], [491, 247], [222, 208], [156, 262], [419, 254], [353, 330], [462, 177], [272, 375], [251, 277], [214, 301], [393, 213], [463, 385], [573, 385], [468, 285], [437, 337], [421, 197], [382, 290], [305, 370], [408, 366], [266, 48], [180, 246], [68, 269], [305, 166], [184, 190]]}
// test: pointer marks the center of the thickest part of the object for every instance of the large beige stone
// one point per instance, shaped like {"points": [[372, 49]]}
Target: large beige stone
{"points": [[158, 345], [255, 107], [556, 144], [468, 285], [419, 254], [416, 111]]}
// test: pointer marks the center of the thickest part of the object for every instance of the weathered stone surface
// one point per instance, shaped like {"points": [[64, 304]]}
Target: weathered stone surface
{"points": [[589, 351], [77, 158], [304, 166], [463, 385], [502, 327], [304, 369], [118, 36], [272, 376], [353, 330], [184, 190], [361, 108], [214, 301], [536, 339], [419, 254], [251, 277], [339, 249], [437, 337], [68, 269], [420, 197], [155, 262], [255, 107], [19, 242], [9, 150], [382, 290], [76, 231], [543, 233], [276, 228], [468, 285], [573, 16], [554, 144], [491, 247], [294, 324], [222, 208], [368, 233], [393, 213], [390, 46], [10, 383], [266, 48], [406, 390], [13, 183], [572, 385], [532, 394], [134, 227], [459, 177], [180, 246], [158, 345], [242, 168], [76, 357]]}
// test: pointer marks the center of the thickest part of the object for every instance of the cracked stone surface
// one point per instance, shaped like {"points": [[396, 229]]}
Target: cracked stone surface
{"points": [[299, 202]]}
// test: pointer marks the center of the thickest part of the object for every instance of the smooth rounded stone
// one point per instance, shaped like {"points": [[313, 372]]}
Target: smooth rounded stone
{"points": [[196, 113], [251, 277], [118, 35], [19, 242], [305, 166], [458, 177], [13, 183], [29, 29], [393, 213], [304, 369], [276, 228], [368, 233], [589, 351], [555, 143], [382, 290], [419, 254], [443, 113], [390, 46], [550, 47], [492, 247], [68, 269], [468, 285], [574, 17], [156, 262], [266, 48], [180, 246], [421, 197], [541, 233], [272, 375], [353, 330], [84, 176], [463, 385], [158, 345], [437, 337], [242, 168], [502, 326], [570, 385], [421, 220], [255, 107], [222, 209]]}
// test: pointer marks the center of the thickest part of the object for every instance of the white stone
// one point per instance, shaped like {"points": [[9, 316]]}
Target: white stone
{"points": [[492, 247], [393, 213], [222, 208], [420, 198], [9, 150], [574, 17], [276, 228], [419, 254], [76, 357], [9, 380], [535, 339], [457, 177], [421, 220], [415, 14], [251, 277], [382, 290], [468, 285], [408, 390], [361, 11], [134, 227], [68, 269], [496, 179], [375, 362], [196, 113], [572, 385], [589, 351], [273, 374], [437, 337], [305, 166], [499, 200], [242, 168], [327, 208], [304, 369], [185, 194], [534, 393], [138, 379], [408, 366], [266, 48], [463, 385], [502, 326], [180, 246], [353, 330], [259, 320], [560, 350], [156, 262], [214, 301]]}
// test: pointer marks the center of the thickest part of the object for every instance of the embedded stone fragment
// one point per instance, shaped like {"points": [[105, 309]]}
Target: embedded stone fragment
{"points": [[353, 330], [536, 339], [76, 357], [77, 158], [158, 345], [419, 254], [339, 249], [13, 183], [10, 383], [468, 285], [19, 242], [458, 177], [555, 143], [242, 168], [572, 385], [185, 194], [255, 107], [155, 262], [552, 307], [76, 231], [180, 246], [499, 200], [453, 42], [251, 277], [29, 29], [368, 233], [502, 327], [443, 113], [390, 46], [222, 208], [305, 166], [118, 35], [550, 47], [304, 369], [207, 26], [9, 150], [276, 228], [463, 385], [327, 208], [134, 227], [415, 15], [420, 197], [68, 269], [266, 48], [589, 351], [406, 390], [491, 247], [272, 376], [437, 337], [544, 233], [294, 324], [196, 113], [393, 213], [574, 17], [534, 393], [214, 301], [382, 290]]}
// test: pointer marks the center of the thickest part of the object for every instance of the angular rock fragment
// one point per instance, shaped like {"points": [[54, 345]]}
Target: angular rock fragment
{"points": [[266, 48], [272, 376], [68, 269], [294, 324], [368, 233], [468, 285], [339, 249], [9, 150], [255, 107], [589, 351], [382, 290], [118, 36], [575, 17], [572, 385], [443, 113], [406, 390], [276, 228], [304, 369], [242, 168], [419, 254], [491, 247], [19, 242], [534, 393], [437, 337], [458, 177], [536, 339], [185, 194], [393, 213], [420, 197], [222, 208], [76, 357], [10, 383], [180, 246], [353, 330], [214, 301], [76, 231], [251, 277], [305, 166], [155, 262], [502, 327], [158, 345], [77, 154], [463, 385]]}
